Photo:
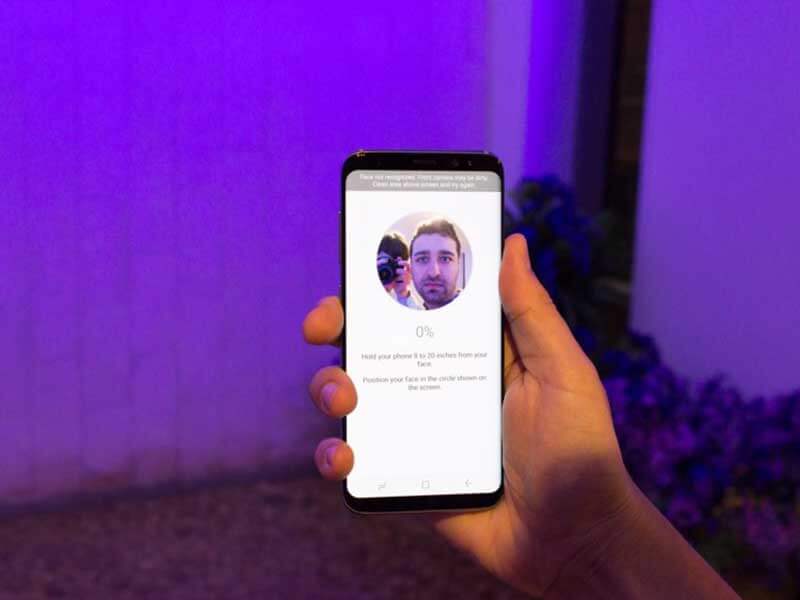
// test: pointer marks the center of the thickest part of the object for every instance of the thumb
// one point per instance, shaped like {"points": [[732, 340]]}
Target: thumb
{"points": [[542, 340]]}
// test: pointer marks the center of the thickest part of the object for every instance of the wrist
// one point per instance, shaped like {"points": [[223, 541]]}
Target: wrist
{"points": [[639, 555], [605, 549]]}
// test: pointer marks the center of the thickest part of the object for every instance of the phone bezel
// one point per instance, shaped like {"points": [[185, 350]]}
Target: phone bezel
{"points": [[417, 161]]}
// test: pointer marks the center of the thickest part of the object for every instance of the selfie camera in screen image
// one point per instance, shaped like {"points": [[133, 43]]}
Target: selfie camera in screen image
{"points": [[387, 271]]}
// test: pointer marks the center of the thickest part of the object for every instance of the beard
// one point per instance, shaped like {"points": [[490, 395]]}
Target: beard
{"points": [[435, 292]]}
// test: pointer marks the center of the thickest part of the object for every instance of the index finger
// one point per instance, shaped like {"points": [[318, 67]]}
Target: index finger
{"points": [[323, 324]]}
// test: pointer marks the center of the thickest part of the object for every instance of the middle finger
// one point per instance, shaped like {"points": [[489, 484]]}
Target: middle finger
{"points": [[333, 392]]}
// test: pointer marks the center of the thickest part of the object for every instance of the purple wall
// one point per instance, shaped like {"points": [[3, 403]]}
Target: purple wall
{"points": [[554, 88], [169, 182], [717, 275]]}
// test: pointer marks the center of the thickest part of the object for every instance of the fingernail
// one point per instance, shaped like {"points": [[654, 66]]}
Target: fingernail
{"points": [[526, 254], [329, 452], [326, 395], [327, 300]]}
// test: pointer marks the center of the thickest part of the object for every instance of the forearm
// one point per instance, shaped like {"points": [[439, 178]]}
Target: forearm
{"points": [[643, 558]]}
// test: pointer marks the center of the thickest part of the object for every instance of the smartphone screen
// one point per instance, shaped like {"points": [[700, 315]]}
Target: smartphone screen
{"points": [[423, 333]]}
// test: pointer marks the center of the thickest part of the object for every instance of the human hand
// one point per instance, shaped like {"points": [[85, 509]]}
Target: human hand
{"points": [[566, 488]]}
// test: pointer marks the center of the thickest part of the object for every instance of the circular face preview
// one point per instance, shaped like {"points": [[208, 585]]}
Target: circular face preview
{"points": [[424, 261]]}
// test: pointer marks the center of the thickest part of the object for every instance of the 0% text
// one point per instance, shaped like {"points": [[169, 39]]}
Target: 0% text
{"points": [[424, 331]]}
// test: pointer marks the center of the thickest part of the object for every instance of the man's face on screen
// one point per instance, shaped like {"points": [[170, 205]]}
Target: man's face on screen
{"points": [[434, 268]]}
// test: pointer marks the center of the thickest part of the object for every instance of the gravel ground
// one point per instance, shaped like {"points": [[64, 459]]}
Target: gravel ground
{"points": [[290, 539]]}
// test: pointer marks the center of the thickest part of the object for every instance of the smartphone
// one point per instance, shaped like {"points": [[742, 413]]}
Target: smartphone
{"points": [[421, 238]]}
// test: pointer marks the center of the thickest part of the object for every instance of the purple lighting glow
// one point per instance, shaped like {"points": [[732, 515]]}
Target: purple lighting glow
{"points": [[169, 178]]}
